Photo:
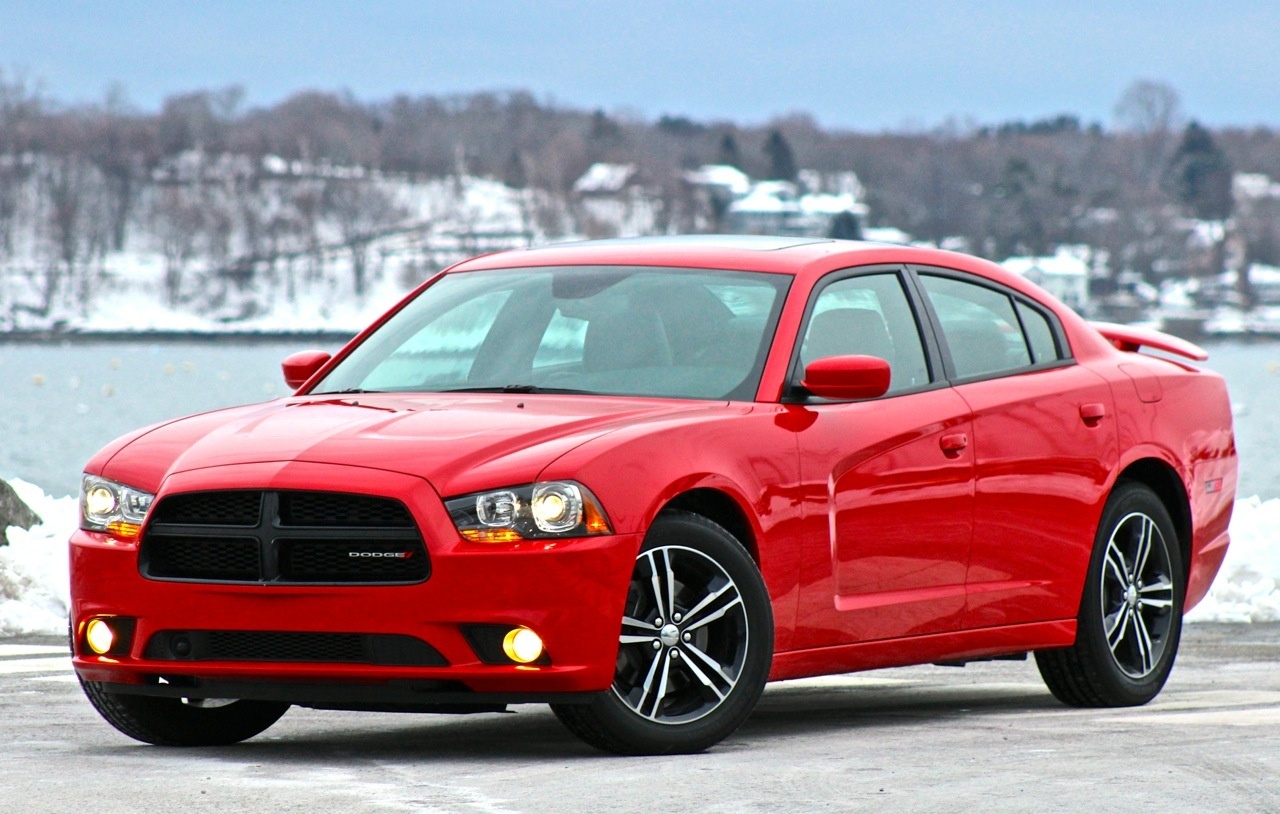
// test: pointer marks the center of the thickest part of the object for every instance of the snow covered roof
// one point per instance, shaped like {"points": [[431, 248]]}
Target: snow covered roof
{"points": [[885, 234], [726, 176], [602, 177], [768, 197], [1066, 262], [826, 204], [1254, 185], [1259, 274]]}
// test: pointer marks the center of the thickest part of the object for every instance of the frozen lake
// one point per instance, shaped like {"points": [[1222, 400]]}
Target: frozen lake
{"points": [[62, 401]]}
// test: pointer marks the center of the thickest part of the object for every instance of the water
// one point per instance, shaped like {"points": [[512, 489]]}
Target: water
{"points": [[62, 402]]}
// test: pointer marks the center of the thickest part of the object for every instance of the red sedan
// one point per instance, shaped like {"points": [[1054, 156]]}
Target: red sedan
{"points": [[638, 479]]}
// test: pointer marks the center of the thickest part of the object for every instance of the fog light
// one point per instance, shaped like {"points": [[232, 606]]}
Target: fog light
{"points": [[99, 636], [522, 645]]}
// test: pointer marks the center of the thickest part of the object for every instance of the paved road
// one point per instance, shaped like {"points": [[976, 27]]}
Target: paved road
{"points": [[985, 738]]}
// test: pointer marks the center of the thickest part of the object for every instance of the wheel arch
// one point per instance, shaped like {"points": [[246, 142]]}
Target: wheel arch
{"points": [[718, 507], [1163, 479]]}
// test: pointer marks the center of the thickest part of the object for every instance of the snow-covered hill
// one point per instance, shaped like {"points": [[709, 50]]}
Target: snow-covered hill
{"points": [[289, 249]]}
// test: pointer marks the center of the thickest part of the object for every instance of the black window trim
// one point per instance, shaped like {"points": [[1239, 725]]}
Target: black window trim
{"points": [[1063, 347], [795, 393]]}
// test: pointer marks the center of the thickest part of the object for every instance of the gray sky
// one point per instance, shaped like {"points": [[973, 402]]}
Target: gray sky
{"points": [[855, 65]]}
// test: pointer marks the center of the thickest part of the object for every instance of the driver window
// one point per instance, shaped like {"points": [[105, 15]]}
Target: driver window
{"points": [[868, 315]]}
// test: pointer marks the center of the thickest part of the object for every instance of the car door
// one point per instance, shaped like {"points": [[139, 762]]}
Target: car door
{"points": [[889, 480], [1043, 443]]}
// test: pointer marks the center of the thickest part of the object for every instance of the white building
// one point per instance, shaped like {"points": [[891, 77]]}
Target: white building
{"points": [[1064, 274]]}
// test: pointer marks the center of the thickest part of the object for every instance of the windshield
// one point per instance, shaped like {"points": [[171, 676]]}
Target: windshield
{"points": [[678, 333]]}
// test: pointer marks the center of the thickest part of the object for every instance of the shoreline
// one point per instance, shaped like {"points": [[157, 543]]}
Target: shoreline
{"points": [[72, 337]]}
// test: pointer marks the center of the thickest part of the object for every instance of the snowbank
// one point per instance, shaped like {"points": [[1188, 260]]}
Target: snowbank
{"points": [[34, 587], [1248, 586], [35, 590]]}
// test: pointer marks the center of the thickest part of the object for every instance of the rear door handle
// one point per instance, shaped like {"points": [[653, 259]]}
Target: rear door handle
{"points": [[953, 443], [1092, 413]]}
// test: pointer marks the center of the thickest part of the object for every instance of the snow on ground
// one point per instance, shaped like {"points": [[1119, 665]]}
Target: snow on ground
{"points": [[35, 591], [35, 594], [1248, 585]]}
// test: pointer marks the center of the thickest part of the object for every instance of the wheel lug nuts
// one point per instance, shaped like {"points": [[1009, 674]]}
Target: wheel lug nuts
{"points": [[657, 622], [688, 637], [675, 654], [677, 618], [657, 645]]}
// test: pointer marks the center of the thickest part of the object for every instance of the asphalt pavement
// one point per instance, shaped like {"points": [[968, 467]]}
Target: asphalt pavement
{"points": [[986, 738]]}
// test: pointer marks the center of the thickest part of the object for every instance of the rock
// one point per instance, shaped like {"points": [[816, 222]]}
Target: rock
{"points": [[13, 512]]}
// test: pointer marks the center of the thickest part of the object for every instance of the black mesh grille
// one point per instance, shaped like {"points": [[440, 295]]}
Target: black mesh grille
{"points": [[350, 561], [283, 537], [211, 509], [237, 645], [222, 558], [233, 646], [342, 511]]}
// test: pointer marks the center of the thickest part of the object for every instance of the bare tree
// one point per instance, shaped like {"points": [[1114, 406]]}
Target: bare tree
{"points": [[179, 219], [364, 211]]}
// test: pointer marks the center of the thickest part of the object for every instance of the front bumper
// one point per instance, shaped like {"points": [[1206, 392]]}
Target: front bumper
{"points": [[571, 592]]}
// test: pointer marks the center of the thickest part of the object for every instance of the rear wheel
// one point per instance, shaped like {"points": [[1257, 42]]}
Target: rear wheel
{"points": [[175, 722], [1130, 617], [694, 649]]}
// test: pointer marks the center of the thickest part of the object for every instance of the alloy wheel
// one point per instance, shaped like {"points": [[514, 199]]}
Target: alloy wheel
{"points": [[1137, 594], [684, 638]]}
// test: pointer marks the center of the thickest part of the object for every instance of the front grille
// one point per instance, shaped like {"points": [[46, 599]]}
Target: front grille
{"points": [[320, 509], [341, 648], [283, 537], [349, 561], [177, 556], [211, 509]]}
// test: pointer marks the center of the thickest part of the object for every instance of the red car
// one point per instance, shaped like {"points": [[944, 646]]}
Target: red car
{"points": [[638, 479]]}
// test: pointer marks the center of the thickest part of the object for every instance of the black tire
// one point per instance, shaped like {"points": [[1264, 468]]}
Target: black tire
{"points": [[172, 722], [1130, 618], [695, 647]]}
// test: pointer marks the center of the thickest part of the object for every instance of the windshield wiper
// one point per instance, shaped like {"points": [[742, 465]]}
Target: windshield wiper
{"points": [[350, 391], [516, 388]]}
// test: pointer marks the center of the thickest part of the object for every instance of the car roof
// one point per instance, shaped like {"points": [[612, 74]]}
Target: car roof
{"points": [[796, 255]]}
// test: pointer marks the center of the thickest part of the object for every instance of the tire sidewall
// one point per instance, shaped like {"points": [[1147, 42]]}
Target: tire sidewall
{"points": [[1119, 687], [710, 539]]}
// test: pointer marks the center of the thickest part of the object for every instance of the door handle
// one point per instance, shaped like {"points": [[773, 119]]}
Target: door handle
{"points": [[953, 443], [1092, 413]]}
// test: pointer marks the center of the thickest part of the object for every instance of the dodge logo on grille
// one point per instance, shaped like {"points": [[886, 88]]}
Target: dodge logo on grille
{"points": [[391, 555]]}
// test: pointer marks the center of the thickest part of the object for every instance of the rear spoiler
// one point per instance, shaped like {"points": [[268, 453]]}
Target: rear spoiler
{"points": [[1129, 338]]}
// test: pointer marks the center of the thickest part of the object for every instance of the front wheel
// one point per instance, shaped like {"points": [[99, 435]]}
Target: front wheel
{"points": [[177, 722], [1130, 617], [694, 649]]}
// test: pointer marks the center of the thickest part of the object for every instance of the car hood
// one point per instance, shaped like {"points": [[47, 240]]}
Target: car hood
{"points": [[459, 443]]}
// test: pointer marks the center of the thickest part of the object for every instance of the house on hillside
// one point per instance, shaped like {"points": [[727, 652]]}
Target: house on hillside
{"points": [[1064, 274], [612, 201], [779, 208]]}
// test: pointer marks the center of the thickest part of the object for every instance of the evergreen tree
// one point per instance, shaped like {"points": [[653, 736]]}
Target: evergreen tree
{"points": [[1200, 174], [728, 152], [782, 162], [514, 173], [845, 226]]}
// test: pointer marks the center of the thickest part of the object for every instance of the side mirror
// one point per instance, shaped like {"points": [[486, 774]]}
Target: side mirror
{"points": [[847, 377], [303, 365]]}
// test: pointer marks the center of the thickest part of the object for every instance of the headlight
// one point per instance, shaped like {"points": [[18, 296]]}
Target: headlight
{"points": [[536, 511], [112, 507]]}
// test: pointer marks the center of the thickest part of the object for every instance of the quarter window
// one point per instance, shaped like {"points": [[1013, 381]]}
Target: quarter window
{"points": [[1039, 335], [986, 331]]}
